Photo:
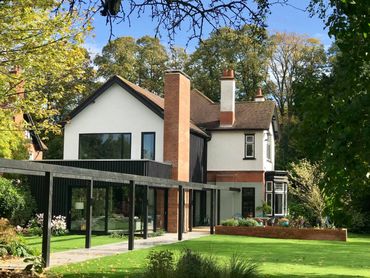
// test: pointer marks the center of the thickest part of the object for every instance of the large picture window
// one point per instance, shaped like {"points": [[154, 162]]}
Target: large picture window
{"points": [[148, 145], [105, 146], [249, 151]]}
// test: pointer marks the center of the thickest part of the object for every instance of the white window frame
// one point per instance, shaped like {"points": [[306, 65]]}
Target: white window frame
{"points": [[247, 143], [276, 189], [268, 147]]}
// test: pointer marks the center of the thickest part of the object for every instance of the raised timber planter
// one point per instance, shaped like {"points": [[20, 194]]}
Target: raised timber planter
{"points": [[284, 232]]}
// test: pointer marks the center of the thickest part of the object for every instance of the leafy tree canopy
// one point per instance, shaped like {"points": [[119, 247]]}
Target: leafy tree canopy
{"points": [[46, 46]]}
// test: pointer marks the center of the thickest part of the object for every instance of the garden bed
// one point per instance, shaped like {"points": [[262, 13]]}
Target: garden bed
{"points": [[284, 232]]}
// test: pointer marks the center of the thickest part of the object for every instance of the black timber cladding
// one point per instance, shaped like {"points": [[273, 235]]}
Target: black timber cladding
{"points": [[62, 185], [198, 159]]}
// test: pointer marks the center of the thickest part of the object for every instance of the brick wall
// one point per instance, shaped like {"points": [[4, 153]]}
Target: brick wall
{"points": [[177, 139], [236, 176], [285, 233]]}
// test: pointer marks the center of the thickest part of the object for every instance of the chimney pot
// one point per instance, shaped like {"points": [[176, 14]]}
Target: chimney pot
{"points": [[259, 95], [227, 74]]}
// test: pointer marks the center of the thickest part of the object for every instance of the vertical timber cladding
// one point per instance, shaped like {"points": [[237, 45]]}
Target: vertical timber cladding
{"points": [[62, 186]]}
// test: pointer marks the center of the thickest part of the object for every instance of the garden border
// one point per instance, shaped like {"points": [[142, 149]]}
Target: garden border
{"points": [[284, 232]]}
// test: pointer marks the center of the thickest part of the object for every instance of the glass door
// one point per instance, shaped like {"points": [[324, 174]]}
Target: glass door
{"points": [[248, 202], [78, 209]]}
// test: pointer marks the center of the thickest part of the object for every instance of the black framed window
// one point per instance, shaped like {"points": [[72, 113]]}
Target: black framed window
{"points": [[148, 145], [249, 147], [105, 146]]}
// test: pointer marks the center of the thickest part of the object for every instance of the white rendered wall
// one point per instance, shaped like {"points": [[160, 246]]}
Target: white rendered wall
{"points": [[231, 201], [226, 152], [227, 101], [115, 111], [269, 164]]}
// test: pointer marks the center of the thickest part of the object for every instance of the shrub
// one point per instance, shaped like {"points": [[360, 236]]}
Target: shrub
{"points": [[58, 225], [193, 264], [160, 264], [10, 243], [248, 222], [240, 268], [118, 234], [283, 222], [16, 202], [230, 222]]}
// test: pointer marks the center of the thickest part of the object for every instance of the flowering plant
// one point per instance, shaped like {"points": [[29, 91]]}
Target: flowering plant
{"points": [[58, 225]]}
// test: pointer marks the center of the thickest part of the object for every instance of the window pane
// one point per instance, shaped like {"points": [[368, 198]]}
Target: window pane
{"points": [[249, 150], [126, 153], [249, 139], [269, 186], [105, 146], [279, 187], [269, 199], [148, 146], [278, 203]]}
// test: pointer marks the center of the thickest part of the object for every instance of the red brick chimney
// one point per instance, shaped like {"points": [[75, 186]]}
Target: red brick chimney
{"points": [[177, 138], [19, 93], [227, 101], [259, 95]]}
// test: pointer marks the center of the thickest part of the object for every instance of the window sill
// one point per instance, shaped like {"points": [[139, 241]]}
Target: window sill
{"points": [[249, 158]]}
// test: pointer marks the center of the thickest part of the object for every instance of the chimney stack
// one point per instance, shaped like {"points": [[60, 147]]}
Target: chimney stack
{"points": [[259, 95], [177, 140], [227, 102]]}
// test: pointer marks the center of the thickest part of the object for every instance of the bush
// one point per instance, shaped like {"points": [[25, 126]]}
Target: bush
{"points": [[10, 243], [194, 265], [58, 225], [16, 202], [118, 234], [230, 222], [160, 264], [248, 222], [240, 268]]}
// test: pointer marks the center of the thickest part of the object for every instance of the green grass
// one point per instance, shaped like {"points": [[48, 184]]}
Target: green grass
{"points": [[67, 242], [275, 257]]}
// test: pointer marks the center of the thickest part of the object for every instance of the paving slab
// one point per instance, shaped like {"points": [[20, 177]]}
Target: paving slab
{"points": [[80, 255]]}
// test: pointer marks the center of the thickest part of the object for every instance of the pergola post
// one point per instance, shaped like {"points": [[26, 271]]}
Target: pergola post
{"points": [[131, 221], [218, 206], [212, 224], [89, 204], [191, 209], [181, 213], [46, 229], [145, 233]]}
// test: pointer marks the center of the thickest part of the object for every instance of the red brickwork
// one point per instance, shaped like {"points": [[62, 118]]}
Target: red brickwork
{"points": [[236, 176], [285, 233], [176, 138], [227, 118]]}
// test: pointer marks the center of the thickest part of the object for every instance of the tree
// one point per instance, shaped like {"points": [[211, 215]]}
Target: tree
{"points": [[46, 46], [245, 50], [172, 16], [292, 55], [141, 61], [306, 185], [338, 115]]}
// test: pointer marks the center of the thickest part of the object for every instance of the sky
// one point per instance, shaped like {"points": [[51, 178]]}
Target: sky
{"points": [[291, 19]]}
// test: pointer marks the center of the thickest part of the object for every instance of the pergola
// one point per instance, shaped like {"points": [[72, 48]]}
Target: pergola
{"points": [[49, 172]]}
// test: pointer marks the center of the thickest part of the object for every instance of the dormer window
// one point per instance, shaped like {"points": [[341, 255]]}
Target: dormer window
{"points": [[249, 150]]}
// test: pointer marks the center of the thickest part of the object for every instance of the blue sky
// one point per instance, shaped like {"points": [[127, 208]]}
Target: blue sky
{"points": [[282, 19]]}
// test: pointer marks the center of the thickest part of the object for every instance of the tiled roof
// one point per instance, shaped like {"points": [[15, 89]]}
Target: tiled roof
{"points": [[248, 114]]}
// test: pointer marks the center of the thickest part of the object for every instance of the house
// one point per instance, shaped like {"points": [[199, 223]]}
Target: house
{"points": [[23, 121], [184, 136]]}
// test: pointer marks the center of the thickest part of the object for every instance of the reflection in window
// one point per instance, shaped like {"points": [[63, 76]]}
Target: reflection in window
{"points": [[276, 198], [105, 146], [148, 145], [249, 146]]}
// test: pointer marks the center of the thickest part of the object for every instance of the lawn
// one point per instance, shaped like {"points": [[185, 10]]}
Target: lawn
{"points": [[67, 242], [275, 257]]}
